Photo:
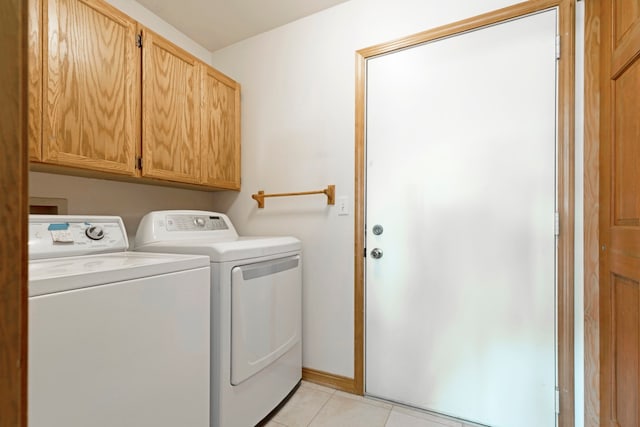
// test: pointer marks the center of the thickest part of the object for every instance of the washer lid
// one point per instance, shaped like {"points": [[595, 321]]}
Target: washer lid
{"points": [[63, 274], [231, 250]]}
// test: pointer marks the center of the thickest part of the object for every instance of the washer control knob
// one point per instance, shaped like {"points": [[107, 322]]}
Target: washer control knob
{"points": [[199, 222], [94, 232]]}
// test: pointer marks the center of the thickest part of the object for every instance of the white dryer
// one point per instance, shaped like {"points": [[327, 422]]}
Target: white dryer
{"points": [[255, 312], [116, 338]]}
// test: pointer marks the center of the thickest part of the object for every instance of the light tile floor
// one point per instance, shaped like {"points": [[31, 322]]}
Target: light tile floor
{"points": [[316, 406]]}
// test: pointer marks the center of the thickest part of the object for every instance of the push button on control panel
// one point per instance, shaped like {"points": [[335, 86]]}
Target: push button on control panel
{"points": [[62, 236], [60, 232]]}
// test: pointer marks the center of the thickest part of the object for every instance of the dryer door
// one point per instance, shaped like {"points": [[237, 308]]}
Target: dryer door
{"points": [[265, 314]]}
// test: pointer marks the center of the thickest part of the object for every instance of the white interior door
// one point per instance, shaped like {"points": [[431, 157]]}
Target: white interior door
{"points": [[461, 161]]}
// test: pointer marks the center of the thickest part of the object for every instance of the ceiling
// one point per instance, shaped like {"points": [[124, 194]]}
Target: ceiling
{"points": [[215, 24]]}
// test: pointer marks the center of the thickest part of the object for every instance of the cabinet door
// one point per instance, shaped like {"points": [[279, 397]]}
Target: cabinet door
{"points": [[170, 111], [91, 67], [220, 130], [34, 89]]}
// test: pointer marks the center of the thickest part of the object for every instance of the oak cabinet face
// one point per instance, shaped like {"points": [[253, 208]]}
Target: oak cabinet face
{"points": [[107, 95], [34, 73], [220, 135], [170, 111], [90, 93]]}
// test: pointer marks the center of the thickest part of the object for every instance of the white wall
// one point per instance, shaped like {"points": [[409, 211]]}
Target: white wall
{"points": [[298, 85]]}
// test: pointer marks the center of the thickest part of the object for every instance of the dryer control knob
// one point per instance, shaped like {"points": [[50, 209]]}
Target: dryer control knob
{"points": [[94, 232]]}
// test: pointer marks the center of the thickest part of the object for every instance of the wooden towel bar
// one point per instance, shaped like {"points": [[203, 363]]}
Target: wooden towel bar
{"points": [[330, 192]]}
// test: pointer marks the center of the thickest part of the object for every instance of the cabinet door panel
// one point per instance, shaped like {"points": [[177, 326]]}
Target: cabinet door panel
{"points": [[91, 77], [220, 130], [34, 91], [170, 111]]}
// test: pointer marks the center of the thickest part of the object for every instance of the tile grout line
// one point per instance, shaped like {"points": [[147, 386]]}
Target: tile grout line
{"points": [[386, 420], [439, 418], [331, 395], [311, 388]]}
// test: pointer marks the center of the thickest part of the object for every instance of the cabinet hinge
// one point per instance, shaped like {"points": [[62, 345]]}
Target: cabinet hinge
{"points": [[139, 40], [558, 46], [556, 223], [139, 163], [557, 401]]}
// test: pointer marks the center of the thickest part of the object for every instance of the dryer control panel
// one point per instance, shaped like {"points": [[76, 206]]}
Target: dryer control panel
{"points": [[185, 225], [71, 235], [195, 222]]}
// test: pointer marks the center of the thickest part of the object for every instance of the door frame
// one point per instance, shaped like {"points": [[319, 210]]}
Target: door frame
{"points": [[13, 213], [566, 120], [592, 112]]}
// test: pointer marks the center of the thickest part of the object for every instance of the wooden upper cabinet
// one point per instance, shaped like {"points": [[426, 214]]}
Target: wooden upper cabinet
{"points": [[91, 91], [170, 111], [34, 70], [98, 100], [220, 130]]}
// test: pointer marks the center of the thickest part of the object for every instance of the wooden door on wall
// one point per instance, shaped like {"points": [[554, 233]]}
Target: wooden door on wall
{"points": [[91, 86], [620, 214]]}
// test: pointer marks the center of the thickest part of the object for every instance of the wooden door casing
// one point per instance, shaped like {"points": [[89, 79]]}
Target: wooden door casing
{"points": [[220, 130], [620, 214], [91, 91], [170, 111], [13, 213]]}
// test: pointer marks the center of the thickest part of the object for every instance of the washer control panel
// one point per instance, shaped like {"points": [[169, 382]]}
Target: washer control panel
{"points": [[70, 235]]}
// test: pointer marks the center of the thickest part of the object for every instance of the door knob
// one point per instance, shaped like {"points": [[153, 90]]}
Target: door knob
{"points": [[376, 253]]}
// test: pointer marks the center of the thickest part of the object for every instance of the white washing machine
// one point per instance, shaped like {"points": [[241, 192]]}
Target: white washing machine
{"points": [[116, 338], [255, 309]]}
